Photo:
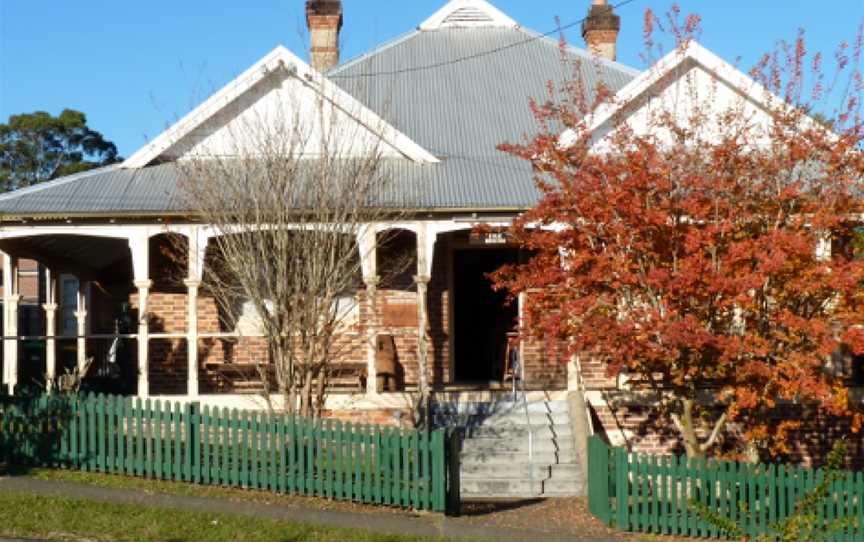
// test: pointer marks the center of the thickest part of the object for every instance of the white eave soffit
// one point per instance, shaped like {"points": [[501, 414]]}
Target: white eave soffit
{"points": [[279, 58], [468, 14]]}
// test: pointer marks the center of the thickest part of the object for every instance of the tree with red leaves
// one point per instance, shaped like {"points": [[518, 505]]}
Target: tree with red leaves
{"points": [[685, 242]]}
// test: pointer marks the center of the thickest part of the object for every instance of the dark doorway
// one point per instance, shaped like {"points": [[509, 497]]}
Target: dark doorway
{"points": [[482, 317]]}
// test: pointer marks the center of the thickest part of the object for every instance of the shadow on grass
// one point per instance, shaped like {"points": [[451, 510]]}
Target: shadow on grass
{"points": [[485, 508]]}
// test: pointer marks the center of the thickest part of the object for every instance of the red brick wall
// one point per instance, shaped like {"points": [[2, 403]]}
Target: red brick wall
{"points": [[545, 368], [385, 417], [167, 311], [167, 307], [168, 367], [809, 445], [28, 279]]}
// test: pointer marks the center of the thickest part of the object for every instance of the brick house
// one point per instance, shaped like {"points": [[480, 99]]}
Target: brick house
{"points": [[99, 236]]}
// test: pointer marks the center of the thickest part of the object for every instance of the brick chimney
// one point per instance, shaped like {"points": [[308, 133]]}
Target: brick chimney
{"points": [[324, 19], [600, 30]]}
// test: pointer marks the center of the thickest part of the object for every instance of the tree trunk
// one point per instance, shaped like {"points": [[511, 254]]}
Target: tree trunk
{"points": [[285, 377], [751, 453], [688, 432], [686, 425], [320, 387], [306, 393]]}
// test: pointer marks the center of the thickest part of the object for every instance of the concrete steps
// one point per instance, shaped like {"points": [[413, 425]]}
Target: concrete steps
{"points": [[518, 431], [520, 444], [495, 460], [538, 471]]}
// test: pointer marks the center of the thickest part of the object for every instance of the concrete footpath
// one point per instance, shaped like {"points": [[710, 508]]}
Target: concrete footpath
{"points": [[426, 525]]}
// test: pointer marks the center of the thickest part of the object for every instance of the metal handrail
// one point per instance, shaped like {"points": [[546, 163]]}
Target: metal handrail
{"points": [[521, 380], [580, 384]]}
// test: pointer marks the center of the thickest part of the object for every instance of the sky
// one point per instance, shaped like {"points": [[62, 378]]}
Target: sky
{"points": [[133, 66]]}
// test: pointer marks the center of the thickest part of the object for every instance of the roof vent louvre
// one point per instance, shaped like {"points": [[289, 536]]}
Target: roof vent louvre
{"points": [[468, 13]]}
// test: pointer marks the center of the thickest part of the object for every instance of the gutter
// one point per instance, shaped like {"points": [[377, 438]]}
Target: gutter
{"points": [[416, 213]]}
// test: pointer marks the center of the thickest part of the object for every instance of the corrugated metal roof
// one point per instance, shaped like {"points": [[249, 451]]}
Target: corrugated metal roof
{"points": [[469, 107], [100, 192], [499, 182], [459, 111]]}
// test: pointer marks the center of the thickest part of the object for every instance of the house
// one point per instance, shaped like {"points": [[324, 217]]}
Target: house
{"points": [[449, 92]]}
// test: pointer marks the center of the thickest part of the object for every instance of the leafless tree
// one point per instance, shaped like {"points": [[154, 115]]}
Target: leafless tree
{"points": [[292, 186]]}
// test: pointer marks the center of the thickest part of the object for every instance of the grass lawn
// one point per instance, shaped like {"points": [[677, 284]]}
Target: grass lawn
{"points": [[57, 518], [216, 492]]}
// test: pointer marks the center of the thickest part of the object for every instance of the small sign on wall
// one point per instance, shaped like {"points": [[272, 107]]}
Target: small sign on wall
{"points": [[488, 238]]}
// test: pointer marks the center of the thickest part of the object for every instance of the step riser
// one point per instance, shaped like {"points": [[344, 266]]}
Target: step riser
{"points": [[510, 458], [499, 488], [521, 445], [566, 471], [535, 421], [491, 472], [487, 409], [513, 432], [540, 472], [555, 482]]}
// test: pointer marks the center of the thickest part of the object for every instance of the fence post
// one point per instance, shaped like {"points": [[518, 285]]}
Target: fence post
{"points": [[454, 447], [622, 489], [598, 479], [4, 431], [190, 423]]}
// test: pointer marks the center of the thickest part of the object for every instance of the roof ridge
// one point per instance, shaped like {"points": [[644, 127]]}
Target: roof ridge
{"points": [[58, 182], [629, 70], [533, 35]]}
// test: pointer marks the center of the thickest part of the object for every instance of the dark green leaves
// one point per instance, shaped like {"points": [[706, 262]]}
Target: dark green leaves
{"points": [[36, 147]]}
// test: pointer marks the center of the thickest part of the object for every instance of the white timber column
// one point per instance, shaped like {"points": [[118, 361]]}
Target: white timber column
{"points": [[50, 308], [823, 246], [140, 246], [192, 286], [196, 251], [10, 322], [367, 242], [81, 321], [425, 248]]}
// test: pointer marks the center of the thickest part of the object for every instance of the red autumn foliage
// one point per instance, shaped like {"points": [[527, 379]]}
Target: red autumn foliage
{"points": [[681, 247]]}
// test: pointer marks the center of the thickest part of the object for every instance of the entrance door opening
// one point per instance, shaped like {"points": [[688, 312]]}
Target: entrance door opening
{"points": [[482, 317]]}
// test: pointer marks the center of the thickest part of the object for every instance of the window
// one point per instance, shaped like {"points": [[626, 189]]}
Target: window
{"points": [[68, 305], [856, 373], [31, 319], [849, 244]]}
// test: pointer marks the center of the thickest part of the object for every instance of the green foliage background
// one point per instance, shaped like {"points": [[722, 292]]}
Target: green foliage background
{"points": [[37, 147]]}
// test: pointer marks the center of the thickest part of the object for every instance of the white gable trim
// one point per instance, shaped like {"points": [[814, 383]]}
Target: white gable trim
{"points": [[279, 58], [693, 52], [468, 13]]}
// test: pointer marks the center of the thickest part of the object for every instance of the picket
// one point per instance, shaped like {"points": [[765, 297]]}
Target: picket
{"points": [[274, 455], [172, 441], [110, 428], [377, 482], [222, 439], [309, 444], [656, 494]]}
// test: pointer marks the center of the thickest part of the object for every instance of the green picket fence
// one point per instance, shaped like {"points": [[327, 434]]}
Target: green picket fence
{"points": [[211, 446], [656, 494]]}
